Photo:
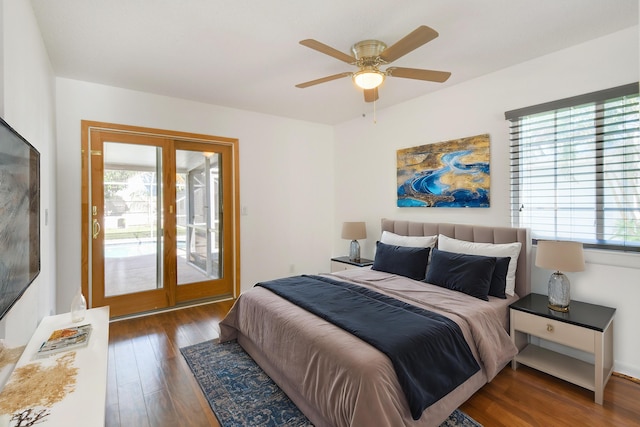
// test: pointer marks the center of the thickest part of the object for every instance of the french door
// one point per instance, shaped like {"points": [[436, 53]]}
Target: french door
{"points": [[160, 219]]}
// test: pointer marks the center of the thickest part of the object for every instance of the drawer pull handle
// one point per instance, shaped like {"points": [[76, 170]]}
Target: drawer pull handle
{"points": [[549, 327]]}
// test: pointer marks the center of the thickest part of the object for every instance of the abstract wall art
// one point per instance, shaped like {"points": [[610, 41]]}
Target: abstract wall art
{"points": [[453, 173]]}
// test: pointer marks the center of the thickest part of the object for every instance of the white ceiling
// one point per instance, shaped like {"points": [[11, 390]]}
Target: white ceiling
{"points": [[245, 54]]}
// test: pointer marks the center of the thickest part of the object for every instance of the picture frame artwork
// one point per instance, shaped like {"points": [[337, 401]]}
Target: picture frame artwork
{"points": [[455, 173]]}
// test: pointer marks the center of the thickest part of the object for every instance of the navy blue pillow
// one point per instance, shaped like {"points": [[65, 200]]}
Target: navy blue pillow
{"points": [[401, 260], [470, 274], [499, 278]]}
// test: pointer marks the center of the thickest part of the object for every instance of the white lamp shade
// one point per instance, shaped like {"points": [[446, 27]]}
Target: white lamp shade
{"points": [[354, 230], [560, 255], [368, 79]]}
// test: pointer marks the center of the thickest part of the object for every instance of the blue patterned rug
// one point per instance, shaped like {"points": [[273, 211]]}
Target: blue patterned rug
{"points": [[241, 394]]}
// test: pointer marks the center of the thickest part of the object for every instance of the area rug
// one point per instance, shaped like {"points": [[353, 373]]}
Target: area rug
{"points": [[241, 394]]}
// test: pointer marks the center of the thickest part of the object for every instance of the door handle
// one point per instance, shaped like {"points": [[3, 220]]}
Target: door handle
{"points": [[96, 228]]}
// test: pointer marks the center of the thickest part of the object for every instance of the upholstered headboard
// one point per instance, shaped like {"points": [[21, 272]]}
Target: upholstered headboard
{"points": [[474, 233]]}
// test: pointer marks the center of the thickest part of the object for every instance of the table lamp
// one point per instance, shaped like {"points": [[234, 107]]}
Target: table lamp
{"points": [[559, 256], [354, 231]]}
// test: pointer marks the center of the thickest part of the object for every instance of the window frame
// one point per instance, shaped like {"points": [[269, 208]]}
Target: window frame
{"points": [[598, 100]]}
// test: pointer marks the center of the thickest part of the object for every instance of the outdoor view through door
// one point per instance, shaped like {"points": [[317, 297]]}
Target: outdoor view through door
{"points": [[198, 216], [132, 241], [160, 218]]}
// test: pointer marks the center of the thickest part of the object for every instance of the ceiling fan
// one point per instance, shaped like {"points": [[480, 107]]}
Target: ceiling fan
{"points": [[369, 55]]}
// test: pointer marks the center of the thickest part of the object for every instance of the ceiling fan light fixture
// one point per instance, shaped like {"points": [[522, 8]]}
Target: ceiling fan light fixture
{"points": [[369, 55], [368, 79]]}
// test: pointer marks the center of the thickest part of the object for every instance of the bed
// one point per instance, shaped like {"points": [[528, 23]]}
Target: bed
{"points": [[336, 378]]}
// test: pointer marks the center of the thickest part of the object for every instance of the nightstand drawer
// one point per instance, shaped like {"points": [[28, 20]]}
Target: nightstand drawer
{"points": [[340, 266], [344, 263], [556, 331]]}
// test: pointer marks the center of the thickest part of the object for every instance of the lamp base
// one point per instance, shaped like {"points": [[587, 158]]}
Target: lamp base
{"points": [[558, 308], [354, 251], [559, 292]]}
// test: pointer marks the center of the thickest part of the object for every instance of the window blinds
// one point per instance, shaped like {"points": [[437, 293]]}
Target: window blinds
{"points": [[575, 169]]}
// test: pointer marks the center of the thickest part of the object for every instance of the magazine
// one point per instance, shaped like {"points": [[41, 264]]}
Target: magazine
{"points": [[65, 339]]}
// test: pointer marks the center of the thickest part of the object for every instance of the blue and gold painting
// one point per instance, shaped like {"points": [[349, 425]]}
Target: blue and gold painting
{"points": [[454, 174]]}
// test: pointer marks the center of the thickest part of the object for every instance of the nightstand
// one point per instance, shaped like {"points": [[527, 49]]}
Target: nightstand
{"points": [[343, 263], [586, 327]]}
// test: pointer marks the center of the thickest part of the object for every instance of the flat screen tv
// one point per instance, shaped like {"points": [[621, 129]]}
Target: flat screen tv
{"points": [[19, 216]]}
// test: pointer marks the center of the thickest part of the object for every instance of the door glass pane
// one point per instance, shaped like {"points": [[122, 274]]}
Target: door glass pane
{"points": [[132, 220], [198, 195]]}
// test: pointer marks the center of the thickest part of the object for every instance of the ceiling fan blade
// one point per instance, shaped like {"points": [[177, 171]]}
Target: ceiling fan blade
{"points": [[370, 95], [323, 80], [411, 41], [328, 50], [418, 74]]}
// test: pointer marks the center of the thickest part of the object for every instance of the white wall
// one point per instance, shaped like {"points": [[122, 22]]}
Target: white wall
{"points": [[366, 154], [286, 177], [28, 106]]}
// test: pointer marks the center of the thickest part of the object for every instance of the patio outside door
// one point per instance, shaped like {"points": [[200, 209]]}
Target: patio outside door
{"points": [[158, 229], [202, 224]]}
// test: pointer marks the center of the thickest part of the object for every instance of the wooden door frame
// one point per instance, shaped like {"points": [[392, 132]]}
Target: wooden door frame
{"points": [[86, 128]]}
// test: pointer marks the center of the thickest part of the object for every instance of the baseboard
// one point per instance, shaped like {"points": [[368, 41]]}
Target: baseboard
{"points": [[174, 308], [626, 377], [626, 370]]}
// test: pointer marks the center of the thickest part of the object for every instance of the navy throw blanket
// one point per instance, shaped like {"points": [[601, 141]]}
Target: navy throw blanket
{"points": [[427, 350]]}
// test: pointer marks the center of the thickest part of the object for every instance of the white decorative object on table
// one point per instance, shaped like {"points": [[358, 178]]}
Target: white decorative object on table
{"points": [[78, 307]]}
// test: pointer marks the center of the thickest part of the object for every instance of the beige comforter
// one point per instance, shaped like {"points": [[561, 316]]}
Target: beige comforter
{"points": [[337, 379]]}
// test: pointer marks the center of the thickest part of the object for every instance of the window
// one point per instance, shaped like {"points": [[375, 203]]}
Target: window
{"points": [[575, 169]]}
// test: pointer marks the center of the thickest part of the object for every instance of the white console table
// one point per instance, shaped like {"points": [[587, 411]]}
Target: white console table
{"points": [[85, 406]]}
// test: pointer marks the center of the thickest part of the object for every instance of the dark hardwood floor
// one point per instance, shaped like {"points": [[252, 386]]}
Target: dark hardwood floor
{"points": [[150, 384]]}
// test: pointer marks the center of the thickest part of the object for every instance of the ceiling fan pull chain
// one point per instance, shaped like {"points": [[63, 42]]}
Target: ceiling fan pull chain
{"points": [[375, 120]]}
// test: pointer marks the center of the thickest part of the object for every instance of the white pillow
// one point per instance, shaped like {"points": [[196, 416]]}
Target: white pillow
{"points": [[389, 238], [487, 249]]}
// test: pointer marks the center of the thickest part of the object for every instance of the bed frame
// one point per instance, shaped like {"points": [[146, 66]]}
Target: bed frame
{"points": [[474, 233]]}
